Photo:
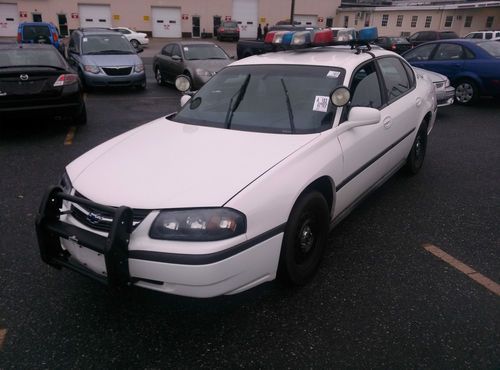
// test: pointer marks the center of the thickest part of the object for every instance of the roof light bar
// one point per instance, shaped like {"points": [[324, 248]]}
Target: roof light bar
{"points": [[322, 37]]}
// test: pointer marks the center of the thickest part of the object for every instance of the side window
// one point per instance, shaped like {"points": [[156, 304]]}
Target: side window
{"points": [[410, 73], [74, 44], [488, 35], [420, 54], [365, 87], [395, 77], [478, 35], [176, 50], [167, 50], [448, 51]]}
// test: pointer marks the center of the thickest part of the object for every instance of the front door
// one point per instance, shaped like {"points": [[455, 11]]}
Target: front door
{"points": [[217, 22], [196, 26]]}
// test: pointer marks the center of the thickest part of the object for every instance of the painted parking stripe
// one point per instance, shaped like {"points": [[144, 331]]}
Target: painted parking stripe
{"points": [[462, 267], [3, 335], [68, 140]]}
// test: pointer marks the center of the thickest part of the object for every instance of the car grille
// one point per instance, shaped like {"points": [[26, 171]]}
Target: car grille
{"points": [[99, 220], [117, 71]]}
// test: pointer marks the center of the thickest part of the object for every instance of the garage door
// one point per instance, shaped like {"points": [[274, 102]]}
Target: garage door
{"points": [[95, 15], [306, 20], [245, 12], [8, 20], [166, 22]]}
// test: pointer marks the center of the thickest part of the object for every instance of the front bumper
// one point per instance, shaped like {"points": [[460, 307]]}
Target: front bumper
{"points": [[120, 258], [446, 96], [103, 80]]}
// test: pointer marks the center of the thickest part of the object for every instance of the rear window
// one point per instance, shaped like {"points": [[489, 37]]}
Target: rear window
{"points": [[230, 24], [449, 35], [33, 57], [35, 33], [491, 47]]}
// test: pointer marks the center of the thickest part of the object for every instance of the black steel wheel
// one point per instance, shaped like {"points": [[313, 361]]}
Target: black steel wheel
{"points": [[305, 239], [415, 159]]}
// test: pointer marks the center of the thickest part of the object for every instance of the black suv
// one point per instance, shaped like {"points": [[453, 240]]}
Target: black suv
{"points": [[425, 36]]}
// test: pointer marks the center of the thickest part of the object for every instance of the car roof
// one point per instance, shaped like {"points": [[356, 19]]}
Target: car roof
{"points": [[11, 46], [195, 43], [96, 31], [332, 56]]}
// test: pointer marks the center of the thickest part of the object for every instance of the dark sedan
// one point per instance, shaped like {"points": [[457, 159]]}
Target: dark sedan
{"points": [[397, 44], [199, 61], [472, 66], [35, 80]]}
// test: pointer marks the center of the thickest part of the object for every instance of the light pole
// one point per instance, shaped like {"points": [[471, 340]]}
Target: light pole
{"points": [[292, 11]]}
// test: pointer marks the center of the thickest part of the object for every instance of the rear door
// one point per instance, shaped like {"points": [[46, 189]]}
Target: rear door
{"points": [[448, 59]]}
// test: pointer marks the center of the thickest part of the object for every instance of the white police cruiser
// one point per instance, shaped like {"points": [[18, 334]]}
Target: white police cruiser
{"points": [[243, 184]]}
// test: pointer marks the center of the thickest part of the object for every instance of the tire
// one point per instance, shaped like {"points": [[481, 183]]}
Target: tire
{"points": [[142, 85], [135, 43], [466, 92], [81, 118], [159, 78], [415, 159], [305, 238]]}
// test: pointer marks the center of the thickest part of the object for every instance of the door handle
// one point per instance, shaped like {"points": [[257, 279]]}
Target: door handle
{"points": [[418, 102], [387, 122]]}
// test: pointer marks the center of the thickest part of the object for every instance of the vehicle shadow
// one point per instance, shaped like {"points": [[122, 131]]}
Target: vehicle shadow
{"points": [[30, 128]]}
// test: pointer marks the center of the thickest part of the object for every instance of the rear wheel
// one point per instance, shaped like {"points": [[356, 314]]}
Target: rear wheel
{"points": [[304, 240], [415, 159], [158, 76], [81, 118], [466, 92]]}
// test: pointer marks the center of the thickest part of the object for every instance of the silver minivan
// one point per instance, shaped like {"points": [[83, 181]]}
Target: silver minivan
{"points": [[105, 58]]}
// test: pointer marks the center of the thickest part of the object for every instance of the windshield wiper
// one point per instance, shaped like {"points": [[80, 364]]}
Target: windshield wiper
{"points": [[289, 106], [239, 97]]}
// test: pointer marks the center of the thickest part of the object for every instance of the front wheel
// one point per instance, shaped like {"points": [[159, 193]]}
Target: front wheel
{"points": [[135, 43], [466, 92], [305, 239], [415, 159]]}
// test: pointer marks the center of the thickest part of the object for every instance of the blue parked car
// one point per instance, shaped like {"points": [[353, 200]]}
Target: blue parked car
{"points": [[38, 33], [472, 66]]}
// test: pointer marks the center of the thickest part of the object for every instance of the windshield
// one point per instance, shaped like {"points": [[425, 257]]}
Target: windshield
{"points": [[106, 44], [33, 57], [491, 47], [270, 98], [195, 52]]}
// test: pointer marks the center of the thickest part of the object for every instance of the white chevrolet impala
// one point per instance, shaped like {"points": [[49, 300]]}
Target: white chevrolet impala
{"points": [[243, 184]]}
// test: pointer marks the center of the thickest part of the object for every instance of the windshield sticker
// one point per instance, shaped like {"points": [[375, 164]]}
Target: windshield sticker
{"points": [[186, 48], [85, 39], [321, 103], [333, 74]]}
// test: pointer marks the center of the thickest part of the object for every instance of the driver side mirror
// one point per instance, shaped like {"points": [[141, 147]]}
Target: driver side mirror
{"points": [[360, 116]]}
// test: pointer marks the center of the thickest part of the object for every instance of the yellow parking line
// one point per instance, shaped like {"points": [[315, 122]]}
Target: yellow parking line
{"points": [[70, 135], [462, 267], [3, 335]]}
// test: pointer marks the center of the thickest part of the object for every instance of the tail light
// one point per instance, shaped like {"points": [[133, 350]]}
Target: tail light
{"points": [[238, 30], [19, 37], [66, 79], [55, 37], [393, 46], [221, 29]]}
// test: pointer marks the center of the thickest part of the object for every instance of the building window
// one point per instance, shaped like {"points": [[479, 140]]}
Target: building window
{"points": [[399, 22], [448, 21], [329, 22], [468, 21], [428, 21], [346, 21], [385, 20], [489, 22], [414, 20]]}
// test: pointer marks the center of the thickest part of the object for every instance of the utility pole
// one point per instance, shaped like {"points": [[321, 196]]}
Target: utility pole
{"points": [[292, 11]]}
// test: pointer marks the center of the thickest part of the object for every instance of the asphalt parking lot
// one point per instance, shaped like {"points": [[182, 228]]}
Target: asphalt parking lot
{"points": [[381, 299]]}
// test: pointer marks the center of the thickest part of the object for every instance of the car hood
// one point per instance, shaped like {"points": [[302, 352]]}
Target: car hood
{"points": [[432, 76], [165, 164], [211, 65], [112, 60]]}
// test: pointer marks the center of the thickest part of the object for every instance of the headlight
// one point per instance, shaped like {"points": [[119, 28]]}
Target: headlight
{"points": [[91, 69], [198, 224], [446, 83], [139, 68], [66, 183], [203, 72]]}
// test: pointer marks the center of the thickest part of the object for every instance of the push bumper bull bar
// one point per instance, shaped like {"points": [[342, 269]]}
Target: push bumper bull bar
{"points": [[114, 247]]}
